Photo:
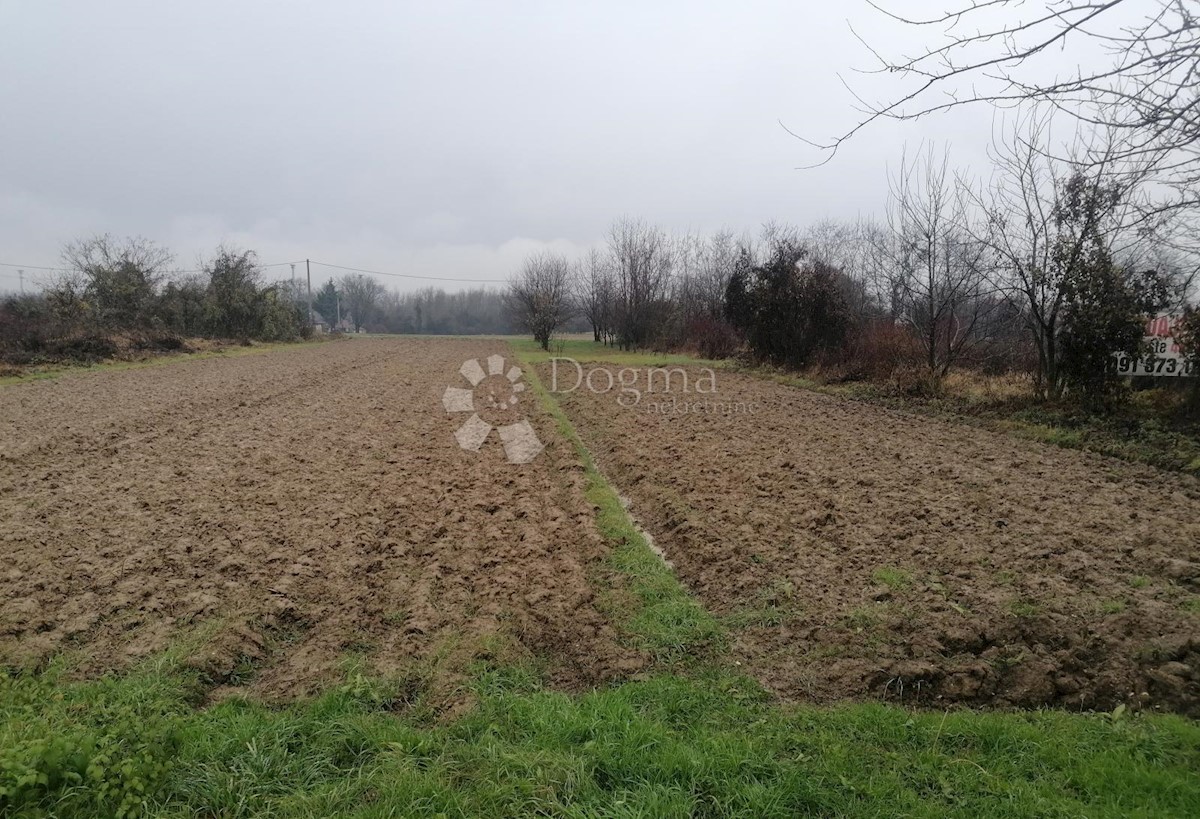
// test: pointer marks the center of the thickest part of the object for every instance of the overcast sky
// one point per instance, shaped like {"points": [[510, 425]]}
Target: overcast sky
{"points": [[441, 139]]}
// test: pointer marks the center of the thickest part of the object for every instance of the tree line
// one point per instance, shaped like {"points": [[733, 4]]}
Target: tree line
{"points": [[362, 303], [1049, 266], [110, 288], [112, 292]]}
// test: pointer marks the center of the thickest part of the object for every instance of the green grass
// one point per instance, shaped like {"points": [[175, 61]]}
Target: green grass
{"points": [[756, 617], [866, 617], [892, 577], [1114, 606], [665, 620], [1023, 608], [709, 745]]}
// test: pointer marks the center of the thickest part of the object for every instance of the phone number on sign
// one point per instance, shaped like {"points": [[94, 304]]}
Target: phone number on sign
{"points": [[1155, 365]]}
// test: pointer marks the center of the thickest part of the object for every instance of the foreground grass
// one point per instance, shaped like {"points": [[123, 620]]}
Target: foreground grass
{"points": [[667, 746]]}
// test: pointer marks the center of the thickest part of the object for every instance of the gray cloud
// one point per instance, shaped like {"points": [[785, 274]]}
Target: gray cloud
{"points": [[444, 139]]}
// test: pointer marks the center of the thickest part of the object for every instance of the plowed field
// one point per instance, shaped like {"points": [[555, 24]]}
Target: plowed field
{"points": [[860, 552], [307, 504], [272, 517]]}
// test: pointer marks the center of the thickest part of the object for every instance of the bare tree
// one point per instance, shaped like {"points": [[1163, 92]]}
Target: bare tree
{"points": [[713, 277], [1037, 245], [687, 260], [539, 297], [642, 261], [862, 252], [701, 271], [937, 279], [361, 293], [1142, 91], [593, 293]]}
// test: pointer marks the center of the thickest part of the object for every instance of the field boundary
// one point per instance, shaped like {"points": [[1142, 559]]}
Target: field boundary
{"points": [[1161, 448], [667, 621], [1139, 440], [55, 371]]}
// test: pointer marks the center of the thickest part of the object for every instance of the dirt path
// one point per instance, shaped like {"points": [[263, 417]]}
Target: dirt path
{"points": [[867, 553], [311, 502]]}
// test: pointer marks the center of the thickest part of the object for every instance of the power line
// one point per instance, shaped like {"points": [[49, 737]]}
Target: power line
{"points": [[71, 270], [35, 267], [283, 264], [406, 275]]}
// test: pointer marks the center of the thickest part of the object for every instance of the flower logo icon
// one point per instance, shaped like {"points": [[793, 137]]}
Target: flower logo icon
{"points": [[491, 398]]}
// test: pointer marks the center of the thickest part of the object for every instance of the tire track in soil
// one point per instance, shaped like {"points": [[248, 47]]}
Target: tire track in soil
{"points": [[327, 511]]}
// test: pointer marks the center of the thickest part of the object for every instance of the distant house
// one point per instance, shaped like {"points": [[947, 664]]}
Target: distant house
{"points": [[318, 322]]}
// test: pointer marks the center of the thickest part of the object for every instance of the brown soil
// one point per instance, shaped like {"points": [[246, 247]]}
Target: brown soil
{"points": [[295, 508], [862, 552]]}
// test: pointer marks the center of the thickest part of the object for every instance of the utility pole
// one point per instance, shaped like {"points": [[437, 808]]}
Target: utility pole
{"points": [[339, 309], [308, 273], [21, 276]]}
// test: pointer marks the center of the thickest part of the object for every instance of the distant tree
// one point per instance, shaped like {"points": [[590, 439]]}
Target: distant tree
{"points": [[937, 277], [789, 307], [238, 304], [182, 305], [118, 279], [739, 308], [432, 310], [720, 255], [594, 290], [539, 296], [325, 303], [1105, 305], [233, 301], [1052, 225], [26, 322], [361, 293], [642, 263]]}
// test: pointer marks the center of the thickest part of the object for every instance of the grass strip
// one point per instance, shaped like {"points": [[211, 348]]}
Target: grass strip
{"points": [[666, 621]]}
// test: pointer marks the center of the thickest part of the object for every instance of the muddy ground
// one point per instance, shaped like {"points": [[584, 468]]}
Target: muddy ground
{"points": [[272, 515], [865, 553]]}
